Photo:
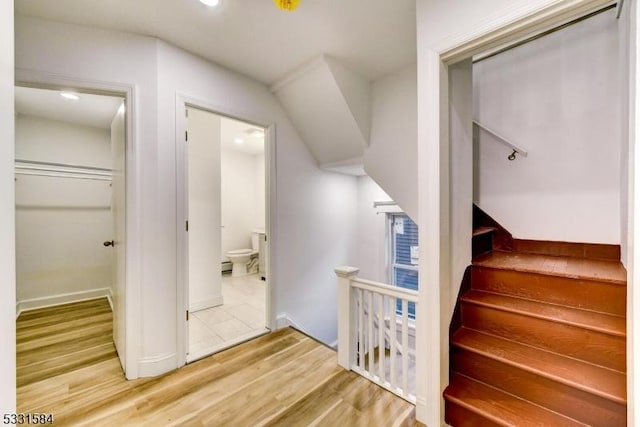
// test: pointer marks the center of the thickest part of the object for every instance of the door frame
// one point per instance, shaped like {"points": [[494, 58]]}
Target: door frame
{"points": [[516, 23], [183, 101], [132, 324]]}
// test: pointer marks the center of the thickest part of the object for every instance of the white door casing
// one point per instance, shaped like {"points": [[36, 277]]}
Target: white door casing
{"points": [[118, 211], [184, 103], [204, 209]]}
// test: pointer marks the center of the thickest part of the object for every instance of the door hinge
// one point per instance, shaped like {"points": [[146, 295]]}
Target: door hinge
{"points": [[186, 136], [187, 225], [187, 315]]}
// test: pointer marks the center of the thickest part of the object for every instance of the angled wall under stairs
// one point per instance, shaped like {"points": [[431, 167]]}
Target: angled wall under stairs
{"points": [[539, 336]]}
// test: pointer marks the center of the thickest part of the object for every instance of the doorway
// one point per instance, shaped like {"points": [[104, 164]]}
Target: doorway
{"points": [[70, 224], [225, 245]]}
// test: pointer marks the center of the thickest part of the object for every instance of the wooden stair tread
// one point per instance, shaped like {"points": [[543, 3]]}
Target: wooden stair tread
{"points": [[601, 322], [483, 230], [562, 266], [500, 407], [600, 381]]}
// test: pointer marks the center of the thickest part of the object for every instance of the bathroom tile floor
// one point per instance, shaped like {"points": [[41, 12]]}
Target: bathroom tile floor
{"points": [[241, 317]]}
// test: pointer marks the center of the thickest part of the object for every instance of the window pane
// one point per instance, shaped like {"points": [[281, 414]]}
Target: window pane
{"points": [[405, 233], [407, 279]]}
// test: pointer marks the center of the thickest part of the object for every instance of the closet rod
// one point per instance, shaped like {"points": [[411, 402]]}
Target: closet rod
{"points": [[62, 175], [62, 170]]}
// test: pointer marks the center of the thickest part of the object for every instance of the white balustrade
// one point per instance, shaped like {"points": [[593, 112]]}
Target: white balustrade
{"points": [[376, 334]]}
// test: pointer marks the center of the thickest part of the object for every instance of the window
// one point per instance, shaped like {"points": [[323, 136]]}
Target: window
{"points": [[403, 233]]}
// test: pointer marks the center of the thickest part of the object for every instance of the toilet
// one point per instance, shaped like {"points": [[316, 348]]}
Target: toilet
{"points": [[242, 258]]}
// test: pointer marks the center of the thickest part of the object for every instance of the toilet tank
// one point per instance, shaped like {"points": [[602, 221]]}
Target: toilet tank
{"points": [[255, 239]]}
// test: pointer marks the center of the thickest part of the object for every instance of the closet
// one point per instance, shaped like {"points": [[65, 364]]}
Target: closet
{"points": [[64, 181]]}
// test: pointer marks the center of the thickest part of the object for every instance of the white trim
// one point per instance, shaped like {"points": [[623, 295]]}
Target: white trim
{"points": [[522, 22], [283, 320], [207, 303], [619, 8], [158, 365], [183, 100], [110, 299], [133, 245], [60, 299]]}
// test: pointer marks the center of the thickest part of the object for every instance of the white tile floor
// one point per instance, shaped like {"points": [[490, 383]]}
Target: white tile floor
{"points": [[241, 317]]}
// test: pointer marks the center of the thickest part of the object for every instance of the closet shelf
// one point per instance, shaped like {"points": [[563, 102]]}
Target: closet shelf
{"points": [[61, 170]]}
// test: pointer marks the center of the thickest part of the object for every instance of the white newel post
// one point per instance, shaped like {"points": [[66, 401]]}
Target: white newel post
{"points": [[346, 317]]}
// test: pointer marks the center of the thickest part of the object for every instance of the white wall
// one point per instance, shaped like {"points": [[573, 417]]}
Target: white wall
{"points": [[61, 223], [204, 195], [48, 140], [7, 209], [441, 24], [260, 182], [242, 198], [314, 210], [391, 157], [371, 242], [558, 97]]}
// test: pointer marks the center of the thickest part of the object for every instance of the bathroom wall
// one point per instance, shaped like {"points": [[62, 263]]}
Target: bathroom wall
{"points": [[61, 223], [242, 198]]}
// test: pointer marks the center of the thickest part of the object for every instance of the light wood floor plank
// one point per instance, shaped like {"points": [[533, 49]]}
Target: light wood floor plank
{"points": [[281, 379]]}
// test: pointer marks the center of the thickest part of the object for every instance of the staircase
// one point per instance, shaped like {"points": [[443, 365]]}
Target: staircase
{"points": [[539, 335]]}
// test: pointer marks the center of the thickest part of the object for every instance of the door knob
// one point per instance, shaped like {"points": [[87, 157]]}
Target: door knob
{"points": [[109, 243]]}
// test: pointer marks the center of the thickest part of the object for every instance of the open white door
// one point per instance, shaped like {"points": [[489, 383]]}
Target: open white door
{"points": [[204, 282], [118, 193]]}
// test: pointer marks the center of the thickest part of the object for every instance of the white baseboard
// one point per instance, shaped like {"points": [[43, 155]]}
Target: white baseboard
{"points": [[154, 366], [110, 298], [284, 321], [53, 300], [207, 303]]}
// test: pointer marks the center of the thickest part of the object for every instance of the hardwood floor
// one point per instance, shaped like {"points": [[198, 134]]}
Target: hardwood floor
{"points": [[281, 379]]}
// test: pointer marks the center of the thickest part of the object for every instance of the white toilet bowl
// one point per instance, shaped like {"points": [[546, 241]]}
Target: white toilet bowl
{"points": [[239, 260]]}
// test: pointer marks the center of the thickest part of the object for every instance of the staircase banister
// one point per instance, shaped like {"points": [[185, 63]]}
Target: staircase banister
{"points": [[502, 139], [382, 288]]}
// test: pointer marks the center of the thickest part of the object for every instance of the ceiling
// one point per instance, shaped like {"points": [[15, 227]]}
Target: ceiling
{"points": [[231, 130], [90, 110], [253, 37]]}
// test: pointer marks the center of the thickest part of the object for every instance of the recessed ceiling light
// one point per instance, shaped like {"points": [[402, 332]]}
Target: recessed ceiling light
{"points": [[69, 95], [210, 2], [238, 140]]}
